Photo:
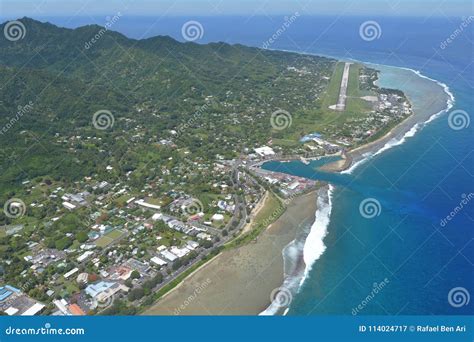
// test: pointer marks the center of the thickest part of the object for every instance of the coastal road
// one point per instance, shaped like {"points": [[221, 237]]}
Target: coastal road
{"points": [[223, 239]]}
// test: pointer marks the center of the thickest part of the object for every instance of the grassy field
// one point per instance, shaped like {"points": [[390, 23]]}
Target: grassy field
{"points": [[332, 91], [267, 209], [321, 118], [108, 238], [269, 213], [355, 105]]}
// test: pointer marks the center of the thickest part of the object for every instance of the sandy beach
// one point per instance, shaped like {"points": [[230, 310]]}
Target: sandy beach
{"points": [[421, 114], [357, 153], [339, 165], [240, 281]]}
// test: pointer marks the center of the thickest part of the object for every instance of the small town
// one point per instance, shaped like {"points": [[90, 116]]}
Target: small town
{"points": [[136, 243], [239, 170], [116, 240]]}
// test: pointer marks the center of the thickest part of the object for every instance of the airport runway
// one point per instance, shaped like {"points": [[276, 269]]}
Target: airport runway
{"points": [[341, 102]]}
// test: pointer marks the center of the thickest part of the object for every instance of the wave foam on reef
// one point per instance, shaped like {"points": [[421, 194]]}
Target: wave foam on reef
{"points": [[411, 133], [291, 254], [313, 246], [300, 254]]}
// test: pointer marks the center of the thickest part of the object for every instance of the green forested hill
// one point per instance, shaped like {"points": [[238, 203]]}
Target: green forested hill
{"points": [[151, 86]]}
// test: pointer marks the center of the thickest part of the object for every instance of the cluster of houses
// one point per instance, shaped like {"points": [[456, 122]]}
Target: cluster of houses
{"points": [[288, 185], [101, 292], [73, 201], [40, 258], [166, 255], [14, 302], [177, 225]]}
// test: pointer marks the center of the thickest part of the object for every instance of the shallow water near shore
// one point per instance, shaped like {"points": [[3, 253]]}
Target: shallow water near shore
{"points": [[240, 281], [419, 180], [402, 245]]}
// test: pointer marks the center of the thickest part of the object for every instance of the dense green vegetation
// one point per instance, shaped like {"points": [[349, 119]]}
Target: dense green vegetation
{"points": [[218, 97], [180, 117]]}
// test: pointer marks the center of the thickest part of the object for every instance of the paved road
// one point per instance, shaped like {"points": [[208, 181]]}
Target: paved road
{"points": [[223, 239]]}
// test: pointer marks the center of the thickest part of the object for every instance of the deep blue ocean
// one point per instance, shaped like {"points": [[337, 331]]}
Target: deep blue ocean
{"points": [[418, 183]]}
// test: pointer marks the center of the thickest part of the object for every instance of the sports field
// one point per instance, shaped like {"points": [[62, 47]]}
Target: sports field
{"points": [[108, 238]]}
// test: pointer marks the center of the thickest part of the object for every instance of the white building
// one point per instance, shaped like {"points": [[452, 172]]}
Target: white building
{"points": [[217, 218], [157, 216], [69, 206], [192, 245], [144, 204], [36, 308], [82, 278], [168, 255], [62, 306], [293, 185], [264, 151], [180, 252], [158, 261], [84, 256], [71, 272]]}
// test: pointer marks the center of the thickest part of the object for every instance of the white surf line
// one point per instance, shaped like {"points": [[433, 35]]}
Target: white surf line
{"points": [[317, 238], [415, 128]]}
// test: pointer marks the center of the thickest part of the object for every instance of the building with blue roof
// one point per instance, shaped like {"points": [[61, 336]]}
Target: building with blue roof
{"points": [[6, 291], [310, 137], [95, 289]]}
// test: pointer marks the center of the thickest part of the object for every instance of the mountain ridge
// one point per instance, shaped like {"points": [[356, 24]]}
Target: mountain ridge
{"points": [[153, 86]]}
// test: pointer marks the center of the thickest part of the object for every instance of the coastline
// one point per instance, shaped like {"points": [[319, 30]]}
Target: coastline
{"points": [[397, 135], [404, 129], [230, 283], [301, 254], [239, 281], [339, 165]]}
